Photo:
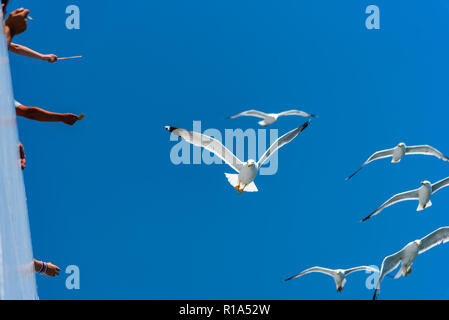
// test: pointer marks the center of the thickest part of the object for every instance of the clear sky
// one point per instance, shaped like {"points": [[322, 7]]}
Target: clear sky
{"points": [[104, 195]]}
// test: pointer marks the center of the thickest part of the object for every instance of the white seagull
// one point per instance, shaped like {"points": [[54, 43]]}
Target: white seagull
{"points": [[422, 194], [270, 118], [408, 255], [247, 171], [398, 152], [339, 275]]}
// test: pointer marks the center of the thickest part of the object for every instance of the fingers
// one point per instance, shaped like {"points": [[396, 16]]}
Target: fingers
{"points": [[52, 270]]}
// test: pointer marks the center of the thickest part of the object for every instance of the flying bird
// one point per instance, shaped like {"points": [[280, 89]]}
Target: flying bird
{"points": [[270, 118], [247, 171], [422, 194], [407, 256], [398, 152], [339, 275]]}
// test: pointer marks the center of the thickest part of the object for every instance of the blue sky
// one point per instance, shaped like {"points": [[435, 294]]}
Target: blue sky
{"points": [[104, 195]]}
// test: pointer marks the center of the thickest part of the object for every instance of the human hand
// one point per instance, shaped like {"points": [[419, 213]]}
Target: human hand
{"points": [[51, 270], [22, 156], [17, 21], [70, 118], [50, 58]]}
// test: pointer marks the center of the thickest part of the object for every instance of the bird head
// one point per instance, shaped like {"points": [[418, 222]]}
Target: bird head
{"points": [[418, 242], [401, 145], [251, 163], [425, 183]]}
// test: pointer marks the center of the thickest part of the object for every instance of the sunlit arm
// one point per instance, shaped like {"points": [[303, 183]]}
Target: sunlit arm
{"points": [[27, 52]]}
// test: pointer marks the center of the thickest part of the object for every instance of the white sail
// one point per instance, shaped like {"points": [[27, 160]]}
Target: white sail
{"points": [[17, 279]]}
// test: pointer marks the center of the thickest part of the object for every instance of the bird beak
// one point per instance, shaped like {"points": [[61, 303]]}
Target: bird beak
{"points": [[422, 182], [249, 165]]}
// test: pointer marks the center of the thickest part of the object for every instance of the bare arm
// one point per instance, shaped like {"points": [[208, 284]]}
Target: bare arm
{"points": [[27, 52], [39, 114]]}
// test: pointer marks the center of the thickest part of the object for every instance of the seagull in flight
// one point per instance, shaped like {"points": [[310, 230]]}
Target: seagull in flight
{"points": [[422, 194], [398, 152], [407, 256], [246, 171], [270, 118], [339, 275]]}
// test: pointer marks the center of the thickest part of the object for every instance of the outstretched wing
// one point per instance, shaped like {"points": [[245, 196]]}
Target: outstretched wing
{"points": [[361, 268], [428, 150], [409, 195], [440, 184], [209, 144], [435, 238], [377, 155], [388, 265], [251, 113], [329, 272], [296, 113], [286, 138]]}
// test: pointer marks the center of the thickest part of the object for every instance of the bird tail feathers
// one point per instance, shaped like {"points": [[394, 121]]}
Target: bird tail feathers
{"points": [[422, 207], [233, 179], [401, 272], [251, 187]]}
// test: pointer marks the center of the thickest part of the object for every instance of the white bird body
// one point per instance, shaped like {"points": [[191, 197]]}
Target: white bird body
{"points": [[340, 279], [247, 171], [269, 119], [410, 252], [407, 255], [424, 194], [398, 153]]}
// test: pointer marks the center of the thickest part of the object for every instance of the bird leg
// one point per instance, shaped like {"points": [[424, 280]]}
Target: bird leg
{"points": [[408, 271], [243, 188]]}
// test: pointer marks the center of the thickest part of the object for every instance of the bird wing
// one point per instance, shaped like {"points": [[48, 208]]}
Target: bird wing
{"points": [[440, 184], [329, 272], [251, 113], [361, 268], [209, 144], [296, 113], [404, 196], [375, 156], [388, 265], [286, 138], [433, 239], [428, 150]]}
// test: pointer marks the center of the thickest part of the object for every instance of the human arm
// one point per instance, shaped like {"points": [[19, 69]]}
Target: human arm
{"points": [[27, 52], [39, 114]]}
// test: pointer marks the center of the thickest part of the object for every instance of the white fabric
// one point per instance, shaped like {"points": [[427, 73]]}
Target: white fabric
{"points": [[17, 279]]}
